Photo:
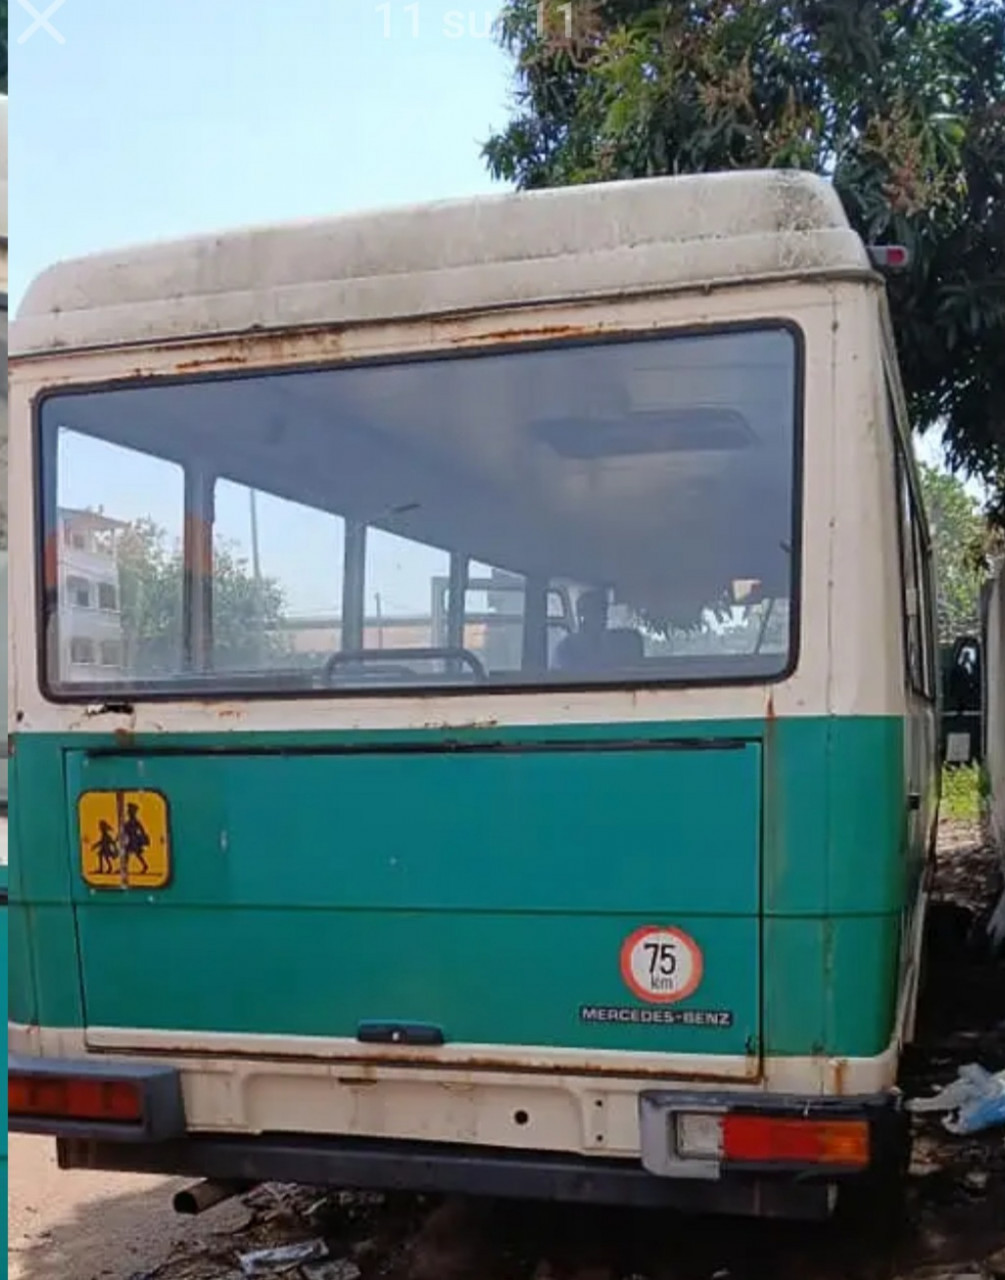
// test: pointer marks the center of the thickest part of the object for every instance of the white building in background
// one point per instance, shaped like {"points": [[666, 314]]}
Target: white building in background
{"points": [[90, 608]]}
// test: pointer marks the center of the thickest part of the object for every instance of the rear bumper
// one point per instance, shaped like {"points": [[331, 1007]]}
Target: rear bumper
{"points": [[159, 1143], [440, 1169]]}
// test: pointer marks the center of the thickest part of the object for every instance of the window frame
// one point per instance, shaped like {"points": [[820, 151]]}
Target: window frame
{"points": [[235, 685], [912, 528]]}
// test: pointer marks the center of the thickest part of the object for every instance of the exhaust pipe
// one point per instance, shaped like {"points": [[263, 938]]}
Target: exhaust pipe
{"points": [[206, 1195]]}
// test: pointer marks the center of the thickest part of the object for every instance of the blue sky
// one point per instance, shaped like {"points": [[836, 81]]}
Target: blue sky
{"points": [[157, 118], [135, 120], [148, 119]]}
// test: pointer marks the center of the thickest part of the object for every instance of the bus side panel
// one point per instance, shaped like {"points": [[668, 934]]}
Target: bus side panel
{"points": [[44, 979], [837, 880]]}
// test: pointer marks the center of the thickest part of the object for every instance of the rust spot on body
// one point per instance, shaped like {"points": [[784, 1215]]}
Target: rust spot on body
{"points": [[262, 347], [366, 1068], [210, 362], [450, 727], [548, 332]]}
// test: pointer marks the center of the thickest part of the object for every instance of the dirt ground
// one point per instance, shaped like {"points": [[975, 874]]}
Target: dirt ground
{"points": [[84, 1226]]}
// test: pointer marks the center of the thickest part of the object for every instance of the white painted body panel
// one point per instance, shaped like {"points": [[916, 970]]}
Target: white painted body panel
{"points": [[848, 530], [238, 1084]]}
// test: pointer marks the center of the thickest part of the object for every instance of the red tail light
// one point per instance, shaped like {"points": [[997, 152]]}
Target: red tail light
{"points": [[889, 257], [66, 1098], [790, 1140]]}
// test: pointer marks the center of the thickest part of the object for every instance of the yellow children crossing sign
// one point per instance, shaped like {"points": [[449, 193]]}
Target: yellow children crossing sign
{"points": [[124, 839]]}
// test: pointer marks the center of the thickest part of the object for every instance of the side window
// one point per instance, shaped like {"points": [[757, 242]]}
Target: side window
{"points": [[277, 581], [916, 577], [926, 606], [495, 616], [911, 598], [119, 562], [400, 582], [499, 612]]}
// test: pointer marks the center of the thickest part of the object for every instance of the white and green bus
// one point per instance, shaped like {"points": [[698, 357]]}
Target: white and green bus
{"points": [[474, 701]]}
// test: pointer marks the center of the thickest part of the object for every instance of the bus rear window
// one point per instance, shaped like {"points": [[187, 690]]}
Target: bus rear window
{"points": [[620, 513]]}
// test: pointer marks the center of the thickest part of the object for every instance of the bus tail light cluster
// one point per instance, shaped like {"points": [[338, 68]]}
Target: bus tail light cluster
{"points": [[66, 1098], [889, 257], [120, 1101], [751, 1139]]}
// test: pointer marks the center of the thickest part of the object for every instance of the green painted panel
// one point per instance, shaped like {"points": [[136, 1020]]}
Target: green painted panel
{"points": [[482, 978], [3, 945], [834, 875], [867, 862], [50, 984], [22, 1005], [830, 985], [627, 831], [437, 887], [860, 979]]}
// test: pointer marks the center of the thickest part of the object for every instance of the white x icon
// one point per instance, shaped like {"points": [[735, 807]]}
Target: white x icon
{"points": [[41, 22]]}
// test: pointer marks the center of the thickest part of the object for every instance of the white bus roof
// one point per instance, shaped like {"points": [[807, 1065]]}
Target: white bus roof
{"points": [[448, 258]]}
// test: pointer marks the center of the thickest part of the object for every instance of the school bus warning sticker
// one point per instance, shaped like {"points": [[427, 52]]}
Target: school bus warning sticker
{"points": [[124, 840], [661, 965]]}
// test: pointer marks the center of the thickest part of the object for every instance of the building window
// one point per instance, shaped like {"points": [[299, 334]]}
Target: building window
{"points": [[82, 651], [111, 653], [108, 597], [78, 591]]}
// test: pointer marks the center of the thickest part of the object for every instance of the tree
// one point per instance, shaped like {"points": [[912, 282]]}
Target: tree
{"points": [[901, 103], [961, 542], [151, 583], [3, 46]]}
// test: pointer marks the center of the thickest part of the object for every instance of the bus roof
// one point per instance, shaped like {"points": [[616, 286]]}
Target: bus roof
{"points": [[448, 258]]}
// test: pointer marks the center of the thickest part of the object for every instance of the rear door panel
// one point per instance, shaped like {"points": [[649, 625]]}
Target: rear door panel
{"points": [[488, 893]]}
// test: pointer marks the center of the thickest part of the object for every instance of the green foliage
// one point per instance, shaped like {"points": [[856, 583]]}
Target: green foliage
{"points": [[151, 583], [961, 541], [963, 788], [899, 103]]}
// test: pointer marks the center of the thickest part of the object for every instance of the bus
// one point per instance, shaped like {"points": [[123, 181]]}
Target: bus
{"points": [[583, 852], [3, 548]]}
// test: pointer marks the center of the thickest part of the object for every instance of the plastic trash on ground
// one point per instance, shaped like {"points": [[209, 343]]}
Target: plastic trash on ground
{"points": [[335, 1269], [975, 1101], [274, 1262], [996, 927]]}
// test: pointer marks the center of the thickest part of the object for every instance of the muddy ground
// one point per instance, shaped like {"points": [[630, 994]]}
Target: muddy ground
{"points": [[954, 1218]]}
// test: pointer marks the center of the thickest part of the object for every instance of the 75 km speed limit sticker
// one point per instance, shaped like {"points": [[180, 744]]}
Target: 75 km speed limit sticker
{"points": [[661, 965]]}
